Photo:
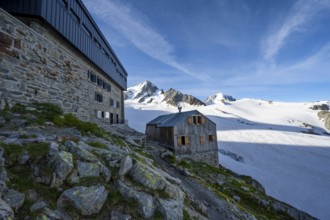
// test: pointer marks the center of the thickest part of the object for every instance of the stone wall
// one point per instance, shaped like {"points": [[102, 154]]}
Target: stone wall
{"points": [[38, 65], [209, 157]]}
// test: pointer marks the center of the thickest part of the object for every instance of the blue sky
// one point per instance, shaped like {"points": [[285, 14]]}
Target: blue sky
{"points": [[268, 49]]}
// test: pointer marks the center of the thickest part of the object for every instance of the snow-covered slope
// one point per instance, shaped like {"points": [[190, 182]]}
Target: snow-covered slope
{"points": [[284, 146], [218, 98]]}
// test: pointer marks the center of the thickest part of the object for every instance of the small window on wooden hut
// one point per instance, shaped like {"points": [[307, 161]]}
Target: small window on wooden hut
{"points": [[201, 120], [211, 137], [202, 139], [183, 140]]}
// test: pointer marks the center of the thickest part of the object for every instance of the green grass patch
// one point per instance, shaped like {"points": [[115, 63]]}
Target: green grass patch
{"points": [[85, 127], [97, 144]]}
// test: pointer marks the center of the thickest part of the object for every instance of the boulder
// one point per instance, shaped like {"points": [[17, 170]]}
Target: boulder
{"points": [[5, 211], [126, 165], [86, 200], [38, 206], [14, 199], [144, 200], [86, 169], [63, 164], [119, 216], [171, 209], [146, 176]]}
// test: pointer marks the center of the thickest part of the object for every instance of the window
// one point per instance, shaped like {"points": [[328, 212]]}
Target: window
{"points": [[183, 141], [202, 139], [99, 81], [103, 115], [196, 120], [112, 103], [117, 104], [84, 27], [212, 137], [109, 88], [98, 97], [91, 76], [75, 16], [107, 115]]}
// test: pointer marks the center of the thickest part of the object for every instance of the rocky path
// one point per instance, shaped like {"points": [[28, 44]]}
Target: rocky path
{"points": [[212, 206]]}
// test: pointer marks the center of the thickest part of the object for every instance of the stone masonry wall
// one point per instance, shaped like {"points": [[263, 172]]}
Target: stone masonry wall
{"points": [[37, 65]]}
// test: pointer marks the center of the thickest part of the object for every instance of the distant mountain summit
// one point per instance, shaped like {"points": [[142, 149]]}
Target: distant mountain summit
{"points": [[218, 98], [173, 97], [147, 92]]}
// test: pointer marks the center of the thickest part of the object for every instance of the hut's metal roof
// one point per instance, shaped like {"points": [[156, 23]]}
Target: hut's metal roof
{"points": [[170, 120]]}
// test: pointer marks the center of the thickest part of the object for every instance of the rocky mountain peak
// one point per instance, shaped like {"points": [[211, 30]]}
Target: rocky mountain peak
{"points": [[173, 97], [219, 97], [142, 90]]}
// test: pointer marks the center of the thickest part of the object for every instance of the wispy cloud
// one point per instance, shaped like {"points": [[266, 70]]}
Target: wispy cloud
{"points": [[299, 16], [136, 28]]}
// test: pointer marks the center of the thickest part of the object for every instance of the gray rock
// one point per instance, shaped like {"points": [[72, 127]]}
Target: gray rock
{"points": [[119, 216], [2, 121], [2, 104], [322, 107], [73, 178], [166, 154], [144, 200], [171, 209], [5, 211], [105, 172], [70, 144], [54, 215], [53, 149], [87, 200], [63, 164], [237, 199], [325, 115], [14, 199], [43, 217], [38, 206], [83, 154], [146, 176], [24, 158], [126, 165], [86, 169]]}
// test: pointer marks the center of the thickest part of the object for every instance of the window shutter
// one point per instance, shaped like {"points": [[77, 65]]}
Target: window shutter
{"points": [[202, 138], [179, 141], [203, 120], [186, 140], [190, 120]]}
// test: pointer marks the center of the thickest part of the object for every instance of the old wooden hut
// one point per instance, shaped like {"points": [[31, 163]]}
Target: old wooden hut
{"points": [[187, 134]]}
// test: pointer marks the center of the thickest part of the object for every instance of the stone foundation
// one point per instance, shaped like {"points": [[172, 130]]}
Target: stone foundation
{"points": [[37, 65]]}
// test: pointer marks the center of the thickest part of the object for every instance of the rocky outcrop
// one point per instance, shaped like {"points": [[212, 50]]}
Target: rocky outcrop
{"points": [[322, 107], [87, 200], [325, 115], [5, 211], [173, 97]]}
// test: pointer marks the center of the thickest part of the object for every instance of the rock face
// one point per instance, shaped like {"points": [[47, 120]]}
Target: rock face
{"points": [[173, 97], [5, 211], [141, 91], [126, 165], [325, 115], [87, 200], [63, 164], [322, 107]]}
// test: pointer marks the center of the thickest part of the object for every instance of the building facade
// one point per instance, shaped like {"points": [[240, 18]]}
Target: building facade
{"points": [[187, 134], [53, 51]]}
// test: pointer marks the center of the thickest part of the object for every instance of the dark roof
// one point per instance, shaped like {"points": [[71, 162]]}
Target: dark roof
{"points": [[170, 120]]}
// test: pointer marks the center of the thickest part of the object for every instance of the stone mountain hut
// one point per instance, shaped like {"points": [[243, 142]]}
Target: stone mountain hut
{"points": [[187, 134]]}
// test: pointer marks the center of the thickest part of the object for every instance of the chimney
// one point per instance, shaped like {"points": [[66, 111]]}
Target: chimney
{"points": [[180, 106]]}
